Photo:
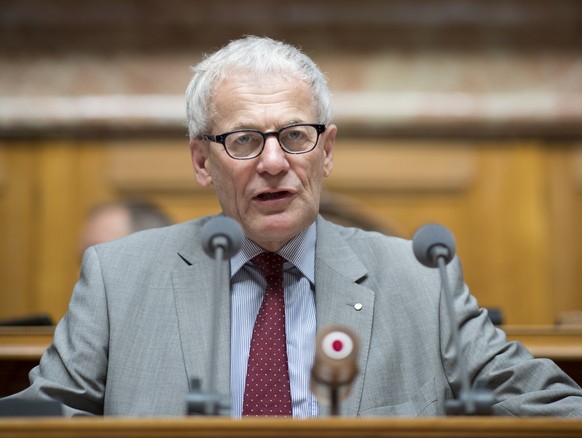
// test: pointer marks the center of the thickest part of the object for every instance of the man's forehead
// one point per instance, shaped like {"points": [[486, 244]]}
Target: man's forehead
{"points": [[240, 102], [240, 78]]}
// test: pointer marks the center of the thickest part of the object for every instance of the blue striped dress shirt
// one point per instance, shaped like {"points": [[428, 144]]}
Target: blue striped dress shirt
{"points": [[247, 290]]}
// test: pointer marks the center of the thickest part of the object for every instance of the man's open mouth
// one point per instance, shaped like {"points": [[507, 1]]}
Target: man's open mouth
{"points": [[272, 195]]}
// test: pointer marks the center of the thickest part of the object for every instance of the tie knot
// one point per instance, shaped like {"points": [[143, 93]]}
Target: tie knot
{"points": [[269, 263]]}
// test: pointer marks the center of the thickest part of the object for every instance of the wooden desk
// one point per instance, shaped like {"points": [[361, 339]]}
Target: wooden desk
{"points": [[20, 351], [561, 344], [24, 343], [21, 348], [556, 343], [479, 427]]}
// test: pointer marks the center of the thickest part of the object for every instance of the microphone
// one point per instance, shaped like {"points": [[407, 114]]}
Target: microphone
{"points": [[431, 242], [221, 238], [335, 365], [434, 246], [221, 233]]}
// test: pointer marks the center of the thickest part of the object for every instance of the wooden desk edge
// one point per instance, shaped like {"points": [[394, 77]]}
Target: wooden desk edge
{"points": [[267, 427], [28, 343]]}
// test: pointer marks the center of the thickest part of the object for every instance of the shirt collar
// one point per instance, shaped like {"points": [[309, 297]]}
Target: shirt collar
{"points": [[299, 251]]}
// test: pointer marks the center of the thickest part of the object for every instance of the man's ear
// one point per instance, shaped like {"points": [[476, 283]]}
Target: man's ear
{"points": [[329, 142], [198, 153]]}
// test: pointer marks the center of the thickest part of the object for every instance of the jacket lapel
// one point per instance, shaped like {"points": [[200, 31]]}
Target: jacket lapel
{"points": [[338, 269]]}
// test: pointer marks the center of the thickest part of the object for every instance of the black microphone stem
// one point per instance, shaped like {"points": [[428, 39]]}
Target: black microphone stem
{"points": [[219, 243], [465, 397], [221, 237], [334, 401], [434, 246]]}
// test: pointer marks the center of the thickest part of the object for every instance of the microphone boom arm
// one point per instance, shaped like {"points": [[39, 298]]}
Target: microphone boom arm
{"points": [[434, 247], [221, 238], [211, 408], [466, 397]]}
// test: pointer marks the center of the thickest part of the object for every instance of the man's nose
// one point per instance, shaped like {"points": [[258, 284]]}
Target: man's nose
{"points": [[273, 158]]}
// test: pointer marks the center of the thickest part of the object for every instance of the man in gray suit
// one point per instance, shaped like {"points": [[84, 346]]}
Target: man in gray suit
{"points": [[138, 326]]}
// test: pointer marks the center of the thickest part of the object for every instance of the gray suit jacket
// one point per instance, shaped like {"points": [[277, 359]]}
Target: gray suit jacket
{"points": [[139, 322]]}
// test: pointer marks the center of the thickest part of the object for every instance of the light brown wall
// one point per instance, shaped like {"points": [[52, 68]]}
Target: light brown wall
{"points": [[464, 113], [514, 206]]}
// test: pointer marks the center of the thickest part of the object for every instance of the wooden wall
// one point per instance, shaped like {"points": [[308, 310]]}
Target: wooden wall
{"points": [[463, 113], [514, 206]]}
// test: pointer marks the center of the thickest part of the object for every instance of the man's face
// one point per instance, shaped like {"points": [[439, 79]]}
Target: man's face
{"points": [[276, 195]]}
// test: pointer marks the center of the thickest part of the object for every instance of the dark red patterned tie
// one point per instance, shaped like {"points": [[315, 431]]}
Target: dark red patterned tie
{"points": [[267, 388]]}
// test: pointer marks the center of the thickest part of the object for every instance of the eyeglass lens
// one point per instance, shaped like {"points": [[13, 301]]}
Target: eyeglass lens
{"points": [[293, 139]]}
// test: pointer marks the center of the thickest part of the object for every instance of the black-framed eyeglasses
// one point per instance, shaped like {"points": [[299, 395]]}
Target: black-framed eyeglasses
{"points": [[246, 144]]}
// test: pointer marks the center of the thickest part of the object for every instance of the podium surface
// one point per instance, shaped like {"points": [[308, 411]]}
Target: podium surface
{"points": [[449, 427]]}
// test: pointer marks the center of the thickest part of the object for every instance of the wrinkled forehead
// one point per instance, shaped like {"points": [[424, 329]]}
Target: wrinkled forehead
{"points": [[281, 85]]}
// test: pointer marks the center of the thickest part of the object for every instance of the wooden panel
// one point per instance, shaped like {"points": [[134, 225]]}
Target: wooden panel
{"points": [[503, 245], [565, 243], [17, 230], [161, 172], [151, 166], [370, 165], [56, 212], [363, 164], [575, 152], [2, 169], [515, 208]]}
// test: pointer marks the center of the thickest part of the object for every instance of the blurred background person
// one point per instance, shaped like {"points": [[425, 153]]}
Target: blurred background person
{"points": [[113, 220]]}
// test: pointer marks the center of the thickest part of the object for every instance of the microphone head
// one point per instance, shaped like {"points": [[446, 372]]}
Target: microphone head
{"points": [[335, 364], [224, 232], [432, 241]]}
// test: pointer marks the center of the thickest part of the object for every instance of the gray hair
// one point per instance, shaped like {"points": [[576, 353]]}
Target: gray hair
{"points": [[258, 56]]}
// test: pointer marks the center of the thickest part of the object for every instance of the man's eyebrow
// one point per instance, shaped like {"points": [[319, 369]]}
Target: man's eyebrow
{"points": [[241, 125], [294, 121]]}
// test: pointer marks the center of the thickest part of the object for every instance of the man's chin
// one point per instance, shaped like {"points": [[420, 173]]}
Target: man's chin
{"points": [[277, 231]]}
